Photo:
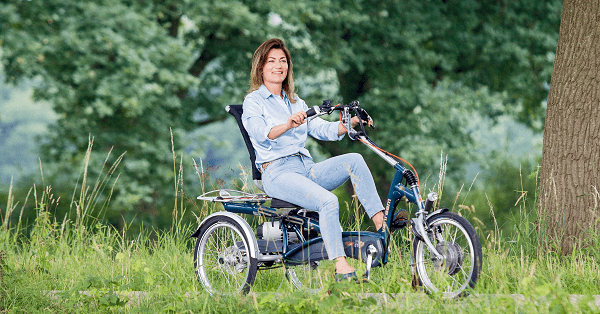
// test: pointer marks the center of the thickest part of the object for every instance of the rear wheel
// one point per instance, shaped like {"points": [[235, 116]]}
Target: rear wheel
{"points": [[455, 238], [222, 257]]}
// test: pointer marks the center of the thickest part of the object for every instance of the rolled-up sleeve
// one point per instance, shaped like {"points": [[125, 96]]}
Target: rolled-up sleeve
{"points": [[324, 130], [255, 123]]}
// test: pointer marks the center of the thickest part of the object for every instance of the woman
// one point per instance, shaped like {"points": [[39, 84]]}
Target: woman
{"points": [[275, 118]]}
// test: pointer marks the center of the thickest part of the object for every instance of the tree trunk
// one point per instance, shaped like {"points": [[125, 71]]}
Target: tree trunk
{"points": [[353, 84], [569, 183]]}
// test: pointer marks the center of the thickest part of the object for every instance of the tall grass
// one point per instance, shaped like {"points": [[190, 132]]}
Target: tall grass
{"points": [[153, 270]]}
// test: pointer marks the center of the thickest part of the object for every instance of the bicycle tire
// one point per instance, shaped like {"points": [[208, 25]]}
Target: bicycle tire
{"points": [[221, 257], [455, 238]]}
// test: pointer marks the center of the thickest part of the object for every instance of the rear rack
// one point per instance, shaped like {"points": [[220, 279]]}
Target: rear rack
{"points": [[225, 195]]}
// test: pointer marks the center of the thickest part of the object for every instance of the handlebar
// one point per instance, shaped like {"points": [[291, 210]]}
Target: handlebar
{"points": [[346, 117], [327, 108]]}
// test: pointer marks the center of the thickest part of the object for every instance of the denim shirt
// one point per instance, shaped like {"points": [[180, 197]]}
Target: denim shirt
{"points": [[263, 111]]}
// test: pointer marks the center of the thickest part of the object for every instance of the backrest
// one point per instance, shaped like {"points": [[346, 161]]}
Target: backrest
{"points": [[236, 111]]}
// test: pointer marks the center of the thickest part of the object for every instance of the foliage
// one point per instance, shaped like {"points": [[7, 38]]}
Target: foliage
{"points": [[120, 71], [126, 72], [423, 68]]}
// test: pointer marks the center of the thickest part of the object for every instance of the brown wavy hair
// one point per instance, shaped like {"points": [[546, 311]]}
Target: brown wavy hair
{"points": [[260, 58]]}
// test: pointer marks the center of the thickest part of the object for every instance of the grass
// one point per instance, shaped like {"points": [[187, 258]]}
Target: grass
{"points": [[86, 255]]}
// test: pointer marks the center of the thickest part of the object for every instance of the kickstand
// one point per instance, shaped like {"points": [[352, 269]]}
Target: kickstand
{"points": [[371, 252]]}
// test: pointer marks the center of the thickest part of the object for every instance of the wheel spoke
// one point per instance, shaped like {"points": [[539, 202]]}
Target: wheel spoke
{"points": [[455, 234], [233, 237], [463, 270], [427, 261], [454, 280], [305, 277]]}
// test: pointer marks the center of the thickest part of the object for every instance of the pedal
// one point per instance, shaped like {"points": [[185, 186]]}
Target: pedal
{"points": [[400, 219], [371, 253]]}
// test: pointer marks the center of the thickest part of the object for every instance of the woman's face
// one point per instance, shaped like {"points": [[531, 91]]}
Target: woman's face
{"points": [[276, 67]]}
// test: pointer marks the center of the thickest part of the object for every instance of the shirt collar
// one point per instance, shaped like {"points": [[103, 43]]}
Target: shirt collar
{"points": [[265, 93]]}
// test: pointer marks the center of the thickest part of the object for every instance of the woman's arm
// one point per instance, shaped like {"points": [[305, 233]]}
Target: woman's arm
{"points": [[294, 121]]}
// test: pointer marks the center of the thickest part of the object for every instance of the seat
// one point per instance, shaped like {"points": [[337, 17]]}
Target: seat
{"points": [[236, 111]]}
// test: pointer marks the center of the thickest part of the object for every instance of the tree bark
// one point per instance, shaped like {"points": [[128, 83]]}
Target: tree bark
{"points": [[569, 178]]}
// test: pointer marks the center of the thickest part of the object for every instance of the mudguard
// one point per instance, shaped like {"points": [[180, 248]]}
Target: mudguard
{"points": [[246, 229], [413, 220]]}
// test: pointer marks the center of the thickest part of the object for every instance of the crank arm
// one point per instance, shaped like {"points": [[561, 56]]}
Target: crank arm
{"points": [[371, 251]]}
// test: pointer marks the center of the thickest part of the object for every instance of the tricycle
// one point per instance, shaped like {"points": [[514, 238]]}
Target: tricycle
{"points": [[446, 252]]}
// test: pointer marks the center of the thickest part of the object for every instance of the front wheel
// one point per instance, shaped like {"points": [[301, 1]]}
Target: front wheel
{"points": [[455, 238], [222, 257]]}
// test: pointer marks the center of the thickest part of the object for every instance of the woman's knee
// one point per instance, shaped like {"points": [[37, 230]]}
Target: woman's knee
{"points": [[328, 203], [357, 159]]}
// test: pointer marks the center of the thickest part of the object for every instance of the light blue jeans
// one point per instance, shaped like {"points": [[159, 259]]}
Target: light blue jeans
{"points": [[298, 180]]}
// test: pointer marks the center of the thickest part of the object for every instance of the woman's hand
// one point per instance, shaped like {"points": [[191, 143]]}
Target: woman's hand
{"points": [[294, 121], [354, 121]]}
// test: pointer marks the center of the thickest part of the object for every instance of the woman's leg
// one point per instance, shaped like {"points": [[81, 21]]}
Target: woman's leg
{"points": [[334, 171], [287, 181]]}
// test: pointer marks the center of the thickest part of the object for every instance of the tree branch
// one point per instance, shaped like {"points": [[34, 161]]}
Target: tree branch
{"points": [[207, 55], [212, 120], [174, 28]]}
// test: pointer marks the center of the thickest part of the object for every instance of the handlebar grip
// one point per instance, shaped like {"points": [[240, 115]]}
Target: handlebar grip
{"points": [[311, 112]]}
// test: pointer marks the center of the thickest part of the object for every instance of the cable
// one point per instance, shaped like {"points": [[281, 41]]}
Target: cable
{"points": [[385, 152]]}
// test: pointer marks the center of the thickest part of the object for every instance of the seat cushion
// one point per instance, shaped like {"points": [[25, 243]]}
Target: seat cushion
{"points": [[277, 203]]}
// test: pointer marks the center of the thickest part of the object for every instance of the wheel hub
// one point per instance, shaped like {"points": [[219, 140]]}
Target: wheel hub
{"points": [[232, 261], [452, 257]]}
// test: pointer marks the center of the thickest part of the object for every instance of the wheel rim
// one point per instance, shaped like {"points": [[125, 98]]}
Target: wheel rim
{"points": [[307, 277], [222, 259], [453, 274]]}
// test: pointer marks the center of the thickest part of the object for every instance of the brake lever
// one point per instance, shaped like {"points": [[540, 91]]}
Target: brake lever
{"points": [[326, 106], [316, 111], [366, 118]]}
